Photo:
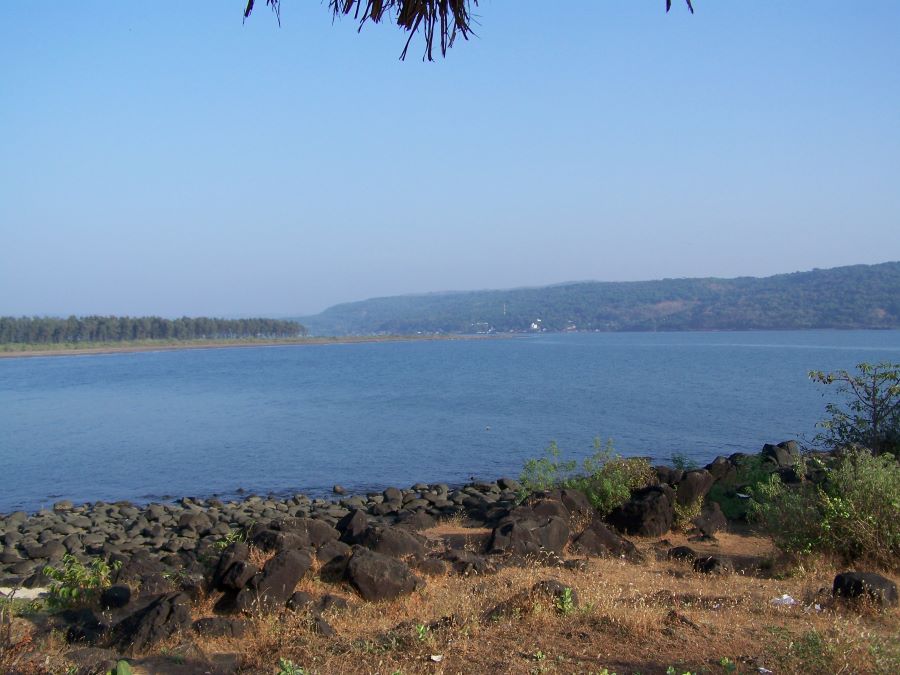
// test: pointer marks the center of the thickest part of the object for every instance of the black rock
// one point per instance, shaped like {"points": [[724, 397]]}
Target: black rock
{"points": [[353, 527], [378, 577], [158, 621], [393, 542], [331, 550], [220, 626], [870, 585], [649, 513], [711, 519], [275, 584], [598, 539], [681, 553], [237, 576], [784, 455], [234, 553], [713, 564], [693, 486], [115, 597]]}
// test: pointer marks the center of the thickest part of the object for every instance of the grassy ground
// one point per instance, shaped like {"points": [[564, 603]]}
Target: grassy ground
{"points": [[656, 617]]}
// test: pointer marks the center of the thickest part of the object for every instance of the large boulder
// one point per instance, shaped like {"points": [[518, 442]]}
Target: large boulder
{"points": [[868, 585], [353, 527], [693, 487], [275, 584], [784, 455], [159, 620], [524, 532], [394, 542], [649, 513], [237, 552], [598, 539], [722, 470], [378, 577], [277, 540], [711, 519]]}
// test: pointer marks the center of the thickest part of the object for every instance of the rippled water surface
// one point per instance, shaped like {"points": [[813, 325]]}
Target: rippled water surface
{"points": [[148, 425]]}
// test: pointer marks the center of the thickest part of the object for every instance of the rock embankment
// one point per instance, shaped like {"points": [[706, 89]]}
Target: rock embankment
{"points": [[251, 555]]}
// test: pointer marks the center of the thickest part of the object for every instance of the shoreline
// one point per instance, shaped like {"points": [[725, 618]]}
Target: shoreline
{"points": [[235, 344]]}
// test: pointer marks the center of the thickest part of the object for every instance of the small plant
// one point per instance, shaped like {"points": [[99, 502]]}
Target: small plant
{"points": [[422, 631], [682, 462], [684, 515], [233, 537], [76, 583], [122, 668], [727, 665], [565, 603], [287, 667], [605, 478]]}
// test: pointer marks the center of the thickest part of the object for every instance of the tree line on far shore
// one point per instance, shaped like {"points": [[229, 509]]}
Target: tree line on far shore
{"points": [[84, 329]]}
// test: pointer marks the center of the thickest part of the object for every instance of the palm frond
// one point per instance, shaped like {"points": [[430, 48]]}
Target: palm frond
{"points": [[445, 19]]}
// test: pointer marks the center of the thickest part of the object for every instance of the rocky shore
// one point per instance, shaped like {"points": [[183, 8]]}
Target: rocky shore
{"points": [[251, 554]]}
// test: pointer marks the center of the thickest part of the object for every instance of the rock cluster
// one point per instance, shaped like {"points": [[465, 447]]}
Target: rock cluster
{"points": [[254, 553]]}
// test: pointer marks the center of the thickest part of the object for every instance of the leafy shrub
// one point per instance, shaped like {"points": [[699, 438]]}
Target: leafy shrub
{"points": [[605, 478], [852, 513], [685, 514], [76, 583], [751, 471], [871, 416], [683, 462]]}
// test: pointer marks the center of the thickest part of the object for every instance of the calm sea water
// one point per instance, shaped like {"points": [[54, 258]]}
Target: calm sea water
{"points": [[152, 425]]}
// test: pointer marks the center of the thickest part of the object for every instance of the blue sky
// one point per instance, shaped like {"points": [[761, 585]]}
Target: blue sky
{"points": [[164, 158]]}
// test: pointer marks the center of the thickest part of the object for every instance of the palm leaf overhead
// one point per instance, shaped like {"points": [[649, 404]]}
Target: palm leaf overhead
{"points": [[445, 19]]}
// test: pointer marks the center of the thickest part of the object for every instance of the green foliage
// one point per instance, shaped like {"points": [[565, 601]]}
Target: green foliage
{"points": [[750, 472], [565, 603], [233, 537], [75, 583], [605, 478], [546, 473], [853, 512], [681, 461], [287, 667], [870, 417], [122, 668], [684, 515], [422, 631]]}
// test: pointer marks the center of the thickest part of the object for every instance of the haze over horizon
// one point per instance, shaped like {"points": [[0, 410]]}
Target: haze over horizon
{"points": [[170, 160]]}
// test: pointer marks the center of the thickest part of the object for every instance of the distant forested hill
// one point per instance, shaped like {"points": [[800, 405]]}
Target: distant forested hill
{"points": [[858, 296]]}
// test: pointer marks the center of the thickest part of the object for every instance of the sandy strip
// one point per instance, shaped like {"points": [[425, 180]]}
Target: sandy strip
{"points": [[235, 344]]}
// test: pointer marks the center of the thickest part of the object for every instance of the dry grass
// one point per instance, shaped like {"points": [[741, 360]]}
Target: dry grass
{"points": [[631, 618]]}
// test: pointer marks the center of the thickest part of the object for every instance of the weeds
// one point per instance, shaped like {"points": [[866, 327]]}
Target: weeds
{"points": [[287, 667], [684, 515], [75, 583], [606, 478], [565, 603]]}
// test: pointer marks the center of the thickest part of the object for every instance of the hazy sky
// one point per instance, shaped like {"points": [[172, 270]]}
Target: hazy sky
{"points": [[161, 157]]}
